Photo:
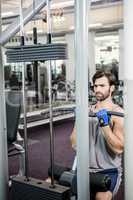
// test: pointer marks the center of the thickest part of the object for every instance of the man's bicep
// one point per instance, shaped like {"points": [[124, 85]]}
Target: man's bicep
{"points": [[119, 129]]}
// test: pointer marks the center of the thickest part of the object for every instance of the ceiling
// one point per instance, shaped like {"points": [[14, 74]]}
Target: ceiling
{"points": [[10, 7], [103, 12]]}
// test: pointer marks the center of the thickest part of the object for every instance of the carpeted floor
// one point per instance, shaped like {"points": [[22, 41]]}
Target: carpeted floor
{"points": [[39, 149]]}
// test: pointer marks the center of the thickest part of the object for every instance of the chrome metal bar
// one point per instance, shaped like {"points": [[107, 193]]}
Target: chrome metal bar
{"points": [[128, 97], [50, 97], [81, 66], [24, 97]]}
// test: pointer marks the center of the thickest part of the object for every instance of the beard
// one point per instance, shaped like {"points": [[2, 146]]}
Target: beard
{"points": [[101, 97]]}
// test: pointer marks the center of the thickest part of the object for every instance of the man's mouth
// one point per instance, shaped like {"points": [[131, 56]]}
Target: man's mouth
{"points": [[99, 94]]}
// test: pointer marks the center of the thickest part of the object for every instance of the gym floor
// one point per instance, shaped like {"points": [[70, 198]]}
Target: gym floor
{"points": [[39, 149]]}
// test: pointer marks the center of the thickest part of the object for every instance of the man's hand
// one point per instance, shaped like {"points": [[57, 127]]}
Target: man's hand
{"points": [[103, 117]]}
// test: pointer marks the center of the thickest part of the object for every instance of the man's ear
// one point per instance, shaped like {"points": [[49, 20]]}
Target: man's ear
{"points": [[112, 88]]}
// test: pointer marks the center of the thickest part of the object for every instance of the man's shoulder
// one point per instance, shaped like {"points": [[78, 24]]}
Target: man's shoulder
{"points": [[114, 107], [117, 119], [117, 108]]}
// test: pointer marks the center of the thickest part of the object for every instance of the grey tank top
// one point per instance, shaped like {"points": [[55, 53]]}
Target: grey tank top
{"points": [[101, 156]]}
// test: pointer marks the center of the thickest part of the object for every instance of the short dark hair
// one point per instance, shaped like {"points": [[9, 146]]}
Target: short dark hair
{"points": [[110, 76]]}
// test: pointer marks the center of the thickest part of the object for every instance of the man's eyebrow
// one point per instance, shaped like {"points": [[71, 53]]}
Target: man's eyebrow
{"points": [[95, 85]]}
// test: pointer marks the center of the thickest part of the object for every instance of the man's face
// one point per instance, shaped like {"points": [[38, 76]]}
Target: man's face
{"points": [[102, 89]]}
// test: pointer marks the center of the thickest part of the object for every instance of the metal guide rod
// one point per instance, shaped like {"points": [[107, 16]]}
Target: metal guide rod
{"points": [[51, 124], [49, 28], [35, 63], [24, 98], [74, 164], [21, 22], [34, 5], [35, 69], [128, 98], [3, 132], [21, 18], [25, 122], [81, 66], [50, 97]]}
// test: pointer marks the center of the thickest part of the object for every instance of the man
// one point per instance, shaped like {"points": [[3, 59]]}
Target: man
{"points": [[106, 134]]}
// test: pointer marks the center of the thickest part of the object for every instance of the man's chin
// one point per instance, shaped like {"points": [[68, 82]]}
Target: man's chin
{"points": [[99, 98]]}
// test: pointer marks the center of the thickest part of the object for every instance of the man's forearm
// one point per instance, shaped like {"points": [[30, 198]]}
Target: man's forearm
{"points": [[112, 140]]}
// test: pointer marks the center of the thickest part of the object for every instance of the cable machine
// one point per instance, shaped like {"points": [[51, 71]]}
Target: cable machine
{"points": [[25, 187]]}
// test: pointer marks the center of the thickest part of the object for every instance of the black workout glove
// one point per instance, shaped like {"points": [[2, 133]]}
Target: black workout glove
{"points": [[103, 117]]}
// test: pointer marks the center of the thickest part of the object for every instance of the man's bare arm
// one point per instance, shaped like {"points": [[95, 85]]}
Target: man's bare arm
{"points": [[115, 137], [73, 138]]}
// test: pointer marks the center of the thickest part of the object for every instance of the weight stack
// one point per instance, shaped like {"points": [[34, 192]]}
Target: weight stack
{"points": [[35, 189]]}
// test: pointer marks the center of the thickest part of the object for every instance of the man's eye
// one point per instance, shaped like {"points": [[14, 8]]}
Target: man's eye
{"points": [[95, 86]]}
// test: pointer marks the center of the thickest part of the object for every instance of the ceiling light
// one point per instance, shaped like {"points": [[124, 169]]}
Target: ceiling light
{"points": [[106, 38], [31, 31], [62, 4], [58, 19], [96, 25], [71, 27], [7, 14]]}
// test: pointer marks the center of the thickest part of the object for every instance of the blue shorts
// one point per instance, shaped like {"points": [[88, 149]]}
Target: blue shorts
{"points": [[113, 174]]}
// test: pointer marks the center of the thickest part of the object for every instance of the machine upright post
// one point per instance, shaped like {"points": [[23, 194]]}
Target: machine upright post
{"points": [[24, 96], [128, 97], [81, 62], [50, 96]]}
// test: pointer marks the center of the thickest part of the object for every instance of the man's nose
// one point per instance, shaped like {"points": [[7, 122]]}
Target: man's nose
{"points": [[98, 88]]}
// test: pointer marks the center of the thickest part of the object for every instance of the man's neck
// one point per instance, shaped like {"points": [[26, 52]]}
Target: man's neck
{"points": [[106, 103]]}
